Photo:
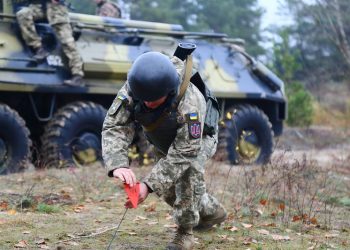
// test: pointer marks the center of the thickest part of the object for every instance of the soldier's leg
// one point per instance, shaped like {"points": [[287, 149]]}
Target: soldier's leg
{"points": [[26, 17], [188, 192], [184, 197], [210, 210], [57, 15], [169, 196], [64, 33], [188, 196]]}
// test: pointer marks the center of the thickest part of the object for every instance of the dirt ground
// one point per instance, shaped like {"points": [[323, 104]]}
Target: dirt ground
{"points": [[301, 200]]}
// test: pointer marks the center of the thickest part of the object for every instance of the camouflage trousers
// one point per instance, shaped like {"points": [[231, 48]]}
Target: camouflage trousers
{"points": [[188, 195], [58, 18]]}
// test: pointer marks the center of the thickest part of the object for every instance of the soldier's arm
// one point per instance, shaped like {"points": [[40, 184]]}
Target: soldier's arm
{"points": [[117, 133], [183, 152]]}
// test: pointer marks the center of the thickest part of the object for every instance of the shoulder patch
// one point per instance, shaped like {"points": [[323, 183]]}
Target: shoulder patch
{"points": [[121, 97], [192, 116], [194, 125], [194, 129], [118, 101]]}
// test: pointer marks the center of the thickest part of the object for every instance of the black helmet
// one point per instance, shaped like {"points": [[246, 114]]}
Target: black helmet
{"points": [[152, 76]]}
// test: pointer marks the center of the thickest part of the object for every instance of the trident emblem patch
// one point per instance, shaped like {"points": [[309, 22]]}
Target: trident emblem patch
{"points": [[194, 129]]}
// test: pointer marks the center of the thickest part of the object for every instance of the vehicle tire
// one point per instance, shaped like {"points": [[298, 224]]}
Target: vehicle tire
{"points": [[73, 136], [248, 135], [15, 143]]}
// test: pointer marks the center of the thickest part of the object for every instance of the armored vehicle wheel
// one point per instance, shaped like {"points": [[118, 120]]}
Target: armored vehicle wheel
{"points": [[248, 136], [14, 141], [73, 135]]}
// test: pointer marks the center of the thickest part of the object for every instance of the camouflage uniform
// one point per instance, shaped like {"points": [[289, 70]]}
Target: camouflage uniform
{"points": [[106, 5], [57, 15], [178, 177]]}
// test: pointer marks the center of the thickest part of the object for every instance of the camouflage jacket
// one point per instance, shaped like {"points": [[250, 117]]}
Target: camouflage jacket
{"points": [[118, 132]]}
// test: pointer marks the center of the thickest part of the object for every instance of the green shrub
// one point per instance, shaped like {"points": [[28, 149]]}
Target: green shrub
{"points": [[345, 201], [48, 209], [300, 106]]}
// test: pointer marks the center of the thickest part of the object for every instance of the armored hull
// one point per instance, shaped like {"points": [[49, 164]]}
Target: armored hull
{"points": [[64, 123]]}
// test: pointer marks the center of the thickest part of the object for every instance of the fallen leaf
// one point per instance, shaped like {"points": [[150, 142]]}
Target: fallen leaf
{"points": [[151, 207], [282, 206], [196, 241], [269, 225], [263, 202], [26, 232], [132, 233], [170, 225], [279, 237], [71, 235], [273, 214], [4, 205], [168, 217], [289, 230], [21, 244], [246, 225], [296, 218], [313, 221], [20, 180], [223, 236], [331, 235], [247, 241], [72, 243], [233, 229], [259, 212], [263, 231], [314, 245], [151, 223], [40, 242], [79, 208], [138, 218], [44, 247], [12, 212], [66, 196], [230, 217]]}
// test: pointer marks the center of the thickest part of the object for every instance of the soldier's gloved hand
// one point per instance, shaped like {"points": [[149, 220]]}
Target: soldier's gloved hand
{"points": [[142, 195], [126, 175], [55, 1]]}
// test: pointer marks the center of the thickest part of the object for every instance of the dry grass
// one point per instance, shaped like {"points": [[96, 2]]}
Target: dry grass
{"points": [[328, 116], [332, 105], [292, 203]]}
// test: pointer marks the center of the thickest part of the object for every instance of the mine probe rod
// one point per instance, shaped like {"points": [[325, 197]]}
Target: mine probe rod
{"points": [[116, 231]]}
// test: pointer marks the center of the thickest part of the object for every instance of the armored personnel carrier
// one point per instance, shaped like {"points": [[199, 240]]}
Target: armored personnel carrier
{"points": [[61, 125]]}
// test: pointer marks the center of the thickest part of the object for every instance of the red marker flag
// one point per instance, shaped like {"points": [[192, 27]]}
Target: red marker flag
{"points": [[133, 193]]}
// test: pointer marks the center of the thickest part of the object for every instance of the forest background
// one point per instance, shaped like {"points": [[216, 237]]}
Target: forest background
{"points": [[311, 53]]}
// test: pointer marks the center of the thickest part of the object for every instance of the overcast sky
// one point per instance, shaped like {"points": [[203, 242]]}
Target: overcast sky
{"points": [[274, 17], [271, 15]]}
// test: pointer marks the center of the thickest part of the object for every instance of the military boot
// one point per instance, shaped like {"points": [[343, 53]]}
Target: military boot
{"points": [[183, 240], [40, 54], [206, 222], [76, 81]]}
